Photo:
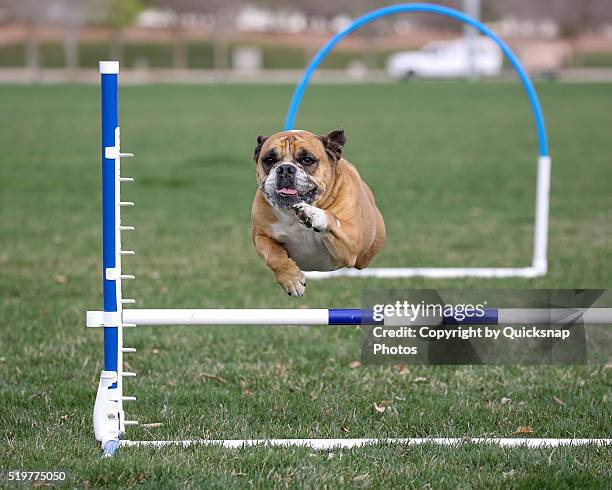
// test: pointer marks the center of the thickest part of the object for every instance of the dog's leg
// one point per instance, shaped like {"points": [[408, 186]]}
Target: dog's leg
{"points": [[341, 238], [286, 272]]}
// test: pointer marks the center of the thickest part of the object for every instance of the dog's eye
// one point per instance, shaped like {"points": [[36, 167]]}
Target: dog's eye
{"points": [[268, 160], [308, 160]]}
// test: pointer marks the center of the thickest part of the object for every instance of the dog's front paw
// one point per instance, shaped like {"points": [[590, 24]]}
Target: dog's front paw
{"points": [[293, 282], [311, 216]]}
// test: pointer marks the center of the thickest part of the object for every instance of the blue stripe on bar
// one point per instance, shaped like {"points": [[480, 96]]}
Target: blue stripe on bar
{"points": [[340, 316]]}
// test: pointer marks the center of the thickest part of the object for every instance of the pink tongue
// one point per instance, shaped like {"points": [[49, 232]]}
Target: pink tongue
{"points": [[286, 190]]}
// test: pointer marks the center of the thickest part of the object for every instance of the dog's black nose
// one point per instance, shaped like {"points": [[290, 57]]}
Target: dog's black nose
{"points": [[285, 170]]}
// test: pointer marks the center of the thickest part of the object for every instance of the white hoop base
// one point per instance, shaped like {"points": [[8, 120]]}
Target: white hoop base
{"points": [[539, 262], [433, 272]]}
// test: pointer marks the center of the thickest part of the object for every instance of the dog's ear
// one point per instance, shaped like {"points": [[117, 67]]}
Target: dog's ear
{"points": [[260, 141], [334, 142]]}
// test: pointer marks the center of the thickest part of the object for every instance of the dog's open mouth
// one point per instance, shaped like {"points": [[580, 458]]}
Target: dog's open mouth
{"points": [[287, 191], [287, 195]]}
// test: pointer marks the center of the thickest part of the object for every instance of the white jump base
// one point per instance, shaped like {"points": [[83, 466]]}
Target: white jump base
{"points": [[329, 444]]}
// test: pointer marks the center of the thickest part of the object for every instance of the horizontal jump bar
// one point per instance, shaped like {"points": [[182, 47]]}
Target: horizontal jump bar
{"points": [[323, 444], [324, 316], [221, 316]]}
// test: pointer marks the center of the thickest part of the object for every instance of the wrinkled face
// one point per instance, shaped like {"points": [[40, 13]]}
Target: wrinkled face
{"points": [[294, 167]]}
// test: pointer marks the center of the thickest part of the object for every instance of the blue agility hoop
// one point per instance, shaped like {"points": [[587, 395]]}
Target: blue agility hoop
{"points": [[427, 8]]}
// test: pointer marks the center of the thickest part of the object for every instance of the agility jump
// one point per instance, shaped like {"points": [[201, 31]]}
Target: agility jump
{"points": [[539, 263], [109, 416]]}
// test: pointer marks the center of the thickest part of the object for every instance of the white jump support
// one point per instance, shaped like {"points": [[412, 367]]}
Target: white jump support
{"points": [[430, 272], [539, 263], [108, 416]]}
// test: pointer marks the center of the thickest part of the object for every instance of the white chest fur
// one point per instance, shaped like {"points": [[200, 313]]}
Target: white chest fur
{"points": [[304, 245]]}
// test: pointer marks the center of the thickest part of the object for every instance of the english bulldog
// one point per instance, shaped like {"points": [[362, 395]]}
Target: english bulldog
{"points": [[312, 211]]}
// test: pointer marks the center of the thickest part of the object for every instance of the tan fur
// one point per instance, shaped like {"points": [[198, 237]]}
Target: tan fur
{"points": [[355, 228]]}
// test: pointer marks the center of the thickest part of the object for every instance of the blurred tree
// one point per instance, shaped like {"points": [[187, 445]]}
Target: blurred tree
{"points": [[32, 15], [119, 15], [328, 11], [221, 11], [572, 17], [71, 15]]}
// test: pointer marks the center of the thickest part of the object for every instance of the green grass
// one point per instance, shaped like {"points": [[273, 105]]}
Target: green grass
{"points": [[453, 169]]}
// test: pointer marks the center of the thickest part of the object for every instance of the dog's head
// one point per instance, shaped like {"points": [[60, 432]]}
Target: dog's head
{"points": [[297, 166]]}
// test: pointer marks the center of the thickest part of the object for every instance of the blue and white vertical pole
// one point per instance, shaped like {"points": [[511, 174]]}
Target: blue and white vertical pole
{"points": [[109, 71], [109, 421]]}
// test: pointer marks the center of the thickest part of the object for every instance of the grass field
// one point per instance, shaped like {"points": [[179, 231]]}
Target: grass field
{"points": [[453, 168]]}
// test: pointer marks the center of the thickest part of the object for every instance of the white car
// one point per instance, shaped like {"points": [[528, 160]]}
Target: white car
{"points": [[448, 59]]}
